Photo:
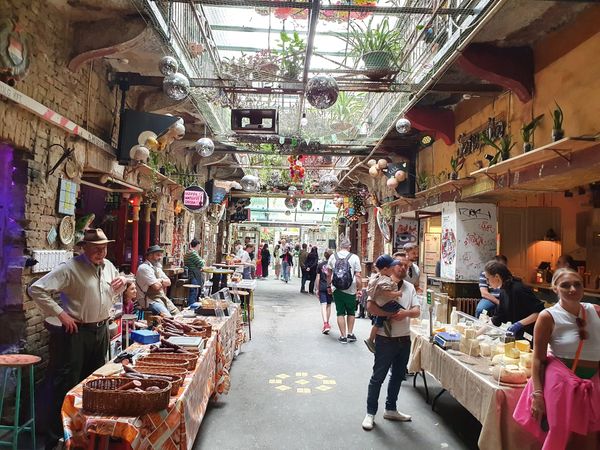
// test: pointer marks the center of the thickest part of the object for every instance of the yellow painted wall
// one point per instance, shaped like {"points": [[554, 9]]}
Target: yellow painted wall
{"points": [[567, 70]]}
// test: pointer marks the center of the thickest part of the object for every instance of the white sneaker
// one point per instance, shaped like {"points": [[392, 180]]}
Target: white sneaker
{"points": [[368, 422], [396, 415]]}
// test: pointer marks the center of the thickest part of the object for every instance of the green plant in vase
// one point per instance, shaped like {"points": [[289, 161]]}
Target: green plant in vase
{"points": [[557, 123], [292, 50], [503, 147], [456, 163], [346, 111], [527, 131], [378, 47]]}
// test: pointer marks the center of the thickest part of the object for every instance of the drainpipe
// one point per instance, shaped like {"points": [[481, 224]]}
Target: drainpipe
{"points": [[135, 234]]}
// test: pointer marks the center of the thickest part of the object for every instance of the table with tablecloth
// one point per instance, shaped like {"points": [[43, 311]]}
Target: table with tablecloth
{"points": [[171, 429], [470, 382]]}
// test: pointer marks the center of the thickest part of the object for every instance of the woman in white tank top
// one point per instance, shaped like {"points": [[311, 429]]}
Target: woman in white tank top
{"points": [[561, 403]]}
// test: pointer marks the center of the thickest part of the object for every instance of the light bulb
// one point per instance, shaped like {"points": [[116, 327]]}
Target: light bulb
{"points": [[304, 120]]}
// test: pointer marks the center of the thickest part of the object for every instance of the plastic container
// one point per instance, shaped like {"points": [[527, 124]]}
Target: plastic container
{"points": [[145, 336], [454, 317]]}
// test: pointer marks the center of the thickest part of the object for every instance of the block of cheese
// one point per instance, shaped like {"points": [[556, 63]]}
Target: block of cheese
{"points": [[460, 327], [499, 349], [469, 346], [508, 347], [486, 349], [470, 333], [514, 353], [523, 345], [525, 360], [503, 359]]}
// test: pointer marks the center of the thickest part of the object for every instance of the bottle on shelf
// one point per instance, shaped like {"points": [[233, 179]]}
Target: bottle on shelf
{"points": [[454, 317]]}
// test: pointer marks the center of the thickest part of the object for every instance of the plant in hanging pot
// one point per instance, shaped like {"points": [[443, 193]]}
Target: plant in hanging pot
{"points": [[527, 131], [291, 52], [502, 148], [557, 118], [456, 164], [378, 47], [346, 111]]}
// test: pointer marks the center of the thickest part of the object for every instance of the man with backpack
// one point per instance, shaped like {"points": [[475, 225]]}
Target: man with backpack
{"points": [[343, 280]]}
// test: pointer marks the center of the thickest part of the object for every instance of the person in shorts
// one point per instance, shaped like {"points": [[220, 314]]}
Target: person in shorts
{"points": [[345, 299], [323, 294]]}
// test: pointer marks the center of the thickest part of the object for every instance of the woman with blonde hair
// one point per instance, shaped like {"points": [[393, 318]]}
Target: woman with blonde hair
{"points": [[561, 403]]}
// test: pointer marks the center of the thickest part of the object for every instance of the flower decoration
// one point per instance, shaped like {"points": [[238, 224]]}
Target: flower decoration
{"points": [[296, 168], [284, 13]]}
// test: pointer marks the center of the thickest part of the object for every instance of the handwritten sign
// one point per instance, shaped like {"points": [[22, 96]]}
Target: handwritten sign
{"points": [[195, 198]]}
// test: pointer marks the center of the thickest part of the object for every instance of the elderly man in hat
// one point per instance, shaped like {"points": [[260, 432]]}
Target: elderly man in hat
{"points": [[88, 285], [151, 282]]}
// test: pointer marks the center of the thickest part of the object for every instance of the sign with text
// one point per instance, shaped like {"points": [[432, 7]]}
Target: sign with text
{"points": [[195, 198]]}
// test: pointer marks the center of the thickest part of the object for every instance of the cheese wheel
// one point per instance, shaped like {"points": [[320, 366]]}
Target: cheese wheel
{"points": [[515, 353], [526, 360], [486, 349], [508, 347], [523, 345], [511, 373], [503, 359]]}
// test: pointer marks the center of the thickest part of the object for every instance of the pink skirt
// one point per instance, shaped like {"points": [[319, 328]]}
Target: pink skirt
{"points": [[572, 406]]}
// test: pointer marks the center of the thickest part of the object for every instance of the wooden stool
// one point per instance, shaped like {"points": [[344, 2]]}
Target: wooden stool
{"points": [[18, 362]]}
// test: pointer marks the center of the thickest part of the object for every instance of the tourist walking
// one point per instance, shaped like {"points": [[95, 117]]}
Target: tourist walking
{"points": [[277, 261], [344, 279], [246, 261], [560, 402], [310, 270], [265, 255], [302, 255], [151, 282], [88, 285], [194, 264], [323, 293], [391, 351], [258, 264], [286, 264]]}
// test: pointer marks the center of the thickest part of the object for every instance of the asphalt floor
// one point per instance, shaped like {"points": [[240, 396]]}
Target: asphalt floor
{"points": [[294, 388]]}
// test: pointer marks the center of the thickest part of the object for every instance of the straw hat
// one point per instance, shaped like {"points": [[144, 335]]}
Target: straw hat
{"points": [[154, 249], [94, 236]]}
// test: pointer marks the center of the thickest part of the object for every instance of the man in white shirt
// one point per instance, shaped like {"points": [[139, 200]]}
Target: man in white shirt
{"points": [[345, 298], [413, 273], [151, 282], [392, 351]]}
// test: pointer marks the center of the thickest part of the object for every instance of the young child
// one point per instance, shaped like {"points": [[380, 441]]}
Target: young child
{"points": [[383, 290]]}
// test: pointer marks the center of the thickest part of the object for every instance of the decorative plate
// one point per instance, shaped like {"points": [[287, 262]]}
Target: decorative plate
{"points": [[71, 168], [66, 230]]}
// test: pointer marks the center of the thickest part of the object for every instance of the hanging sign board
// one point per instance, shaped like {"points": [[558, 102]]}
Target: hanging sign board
{"points": [[195, 199]]}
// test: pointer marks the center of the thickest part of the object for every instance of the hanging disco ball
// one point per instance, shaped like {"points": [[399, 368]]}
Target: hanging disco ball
{"points": [[322, 91], [328, 183], [168, 65], [204, 147], [306, 205], [176, 86], [291, 202], [403, 126], [288, 213], [250, 183], [292, 190]]}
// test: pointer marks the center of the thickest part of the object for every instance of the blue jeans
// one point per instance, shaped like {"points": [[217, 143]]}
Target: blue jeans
{"points": [[285, 267], [389, 352], [486, 304], [195, 278], [158, 307], [391, 307]]}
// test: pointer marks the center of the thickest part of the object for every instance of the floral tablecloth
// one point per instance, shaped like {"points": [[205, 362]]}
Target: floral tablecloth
{"points": [[170, 429]]}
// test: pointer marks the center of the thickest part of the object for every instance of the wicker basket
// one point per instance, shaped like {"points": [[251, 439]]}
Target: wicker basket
{"points": [[100, 396], [188, 358], [179, 374], [164, 363]]}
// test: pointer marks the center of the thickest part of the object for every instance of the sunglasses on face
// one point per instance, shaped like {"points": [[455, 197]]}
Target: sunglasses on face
{"points": [[567, 285]]}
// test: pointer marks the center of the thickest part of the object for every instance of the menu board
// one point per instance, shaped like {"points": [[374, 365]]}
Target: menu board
{"points": [[431, 252]]}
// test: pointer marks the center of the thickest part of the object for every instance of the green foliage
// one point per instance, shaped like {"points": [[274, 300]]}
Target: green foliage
{"points": [[364, 39], [423, 180], [557, 117], [456, 163], [528, 128], [292, 50], [502, 148], [348, 107]]}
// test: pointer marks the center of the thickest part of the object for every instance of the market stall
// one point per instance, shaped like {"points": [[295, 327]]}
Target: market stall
{"points": [[176, 426]]}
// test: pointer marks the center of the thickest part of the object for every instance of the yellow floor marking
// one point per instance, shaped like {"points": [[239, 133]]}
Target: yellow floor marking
{"points": [[283, 388], [303, 390], [301, 374], [283, 376], [319, 376], [302, 382], [323, 388], [274, 381], [329, 382]]}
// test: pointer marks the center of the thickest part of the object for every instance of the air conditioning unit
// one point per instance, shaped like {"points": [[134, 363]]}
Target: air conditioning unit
{"points": [[254, 121]]}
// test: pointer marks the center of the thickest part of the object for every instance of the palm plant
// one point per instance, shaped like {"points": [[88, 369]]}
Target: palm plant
{"points": [[346, 110], [503, 148], [527, 131], [423, 180], [557, 118]]}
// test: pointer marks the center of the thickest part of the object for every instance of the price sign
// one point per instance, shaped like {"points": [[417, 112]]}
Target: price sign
{"points": [[195, 198]]}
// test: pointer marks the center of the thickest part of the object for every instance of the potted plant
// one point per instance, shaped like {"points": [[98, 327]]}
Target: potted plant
{"points": [[502, 148], [378, 47], [346, 111], [422, 180], [291, 51], [557, 118], [456, 164], [527, 131]]}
